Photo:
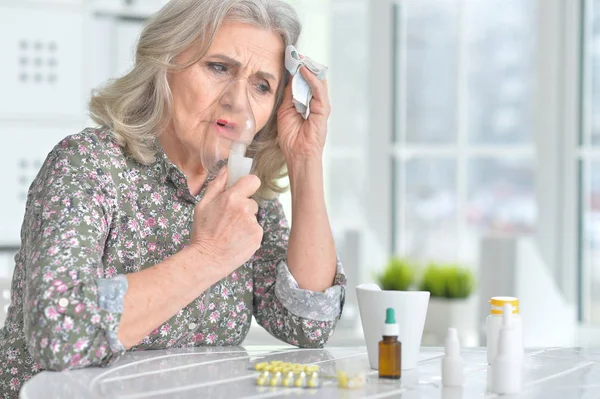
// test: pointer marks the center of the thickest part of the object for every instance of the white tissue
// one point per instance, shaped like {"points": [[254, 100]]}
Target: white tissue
{"points": [[301, 92]]}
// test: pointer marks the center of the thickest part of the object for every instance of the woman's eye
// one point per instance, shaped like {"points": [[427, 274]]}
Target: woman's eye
{"points": [[263, 88], [218, 68]]}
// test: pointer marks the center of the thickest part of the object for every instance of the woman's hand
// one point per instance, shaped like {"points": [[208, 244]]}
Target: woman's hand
{"points": [[301, 139], [225, 230]]}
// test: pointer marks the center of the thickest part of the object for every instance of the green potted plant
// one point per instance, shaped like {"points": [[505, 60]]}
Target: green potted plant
{"points": [[451, 304], [397, 275]]}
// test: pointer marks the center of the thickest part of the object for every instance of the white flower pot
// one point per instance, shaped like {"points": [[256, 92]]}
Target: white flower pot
{"points": [[410, 308], [444, 313]]}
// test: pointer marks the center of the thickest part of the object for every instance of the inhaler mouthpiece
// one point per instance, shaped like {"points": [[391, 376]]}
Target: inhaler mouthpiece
{"points": [[238, 165]]}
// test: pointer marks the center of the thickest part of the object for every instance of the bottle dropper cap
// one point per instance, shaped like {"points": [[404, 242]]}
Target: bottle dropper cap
{"points": [[452, 362], [390, 328]]}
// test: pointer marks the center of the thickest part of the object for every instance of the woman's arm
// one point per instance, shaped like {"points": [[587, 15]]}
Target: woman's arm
{"points": [[311, 253], [74, 317], [298, 316]]}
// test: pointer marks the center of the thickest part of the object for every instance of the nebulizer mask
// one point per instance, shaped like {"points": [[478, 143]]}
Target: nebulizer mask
{"points": [[230, 128]]}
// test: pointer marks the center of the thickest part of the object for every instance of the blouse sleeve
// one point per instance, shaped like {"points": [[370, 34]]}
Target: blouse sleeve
{"points": [[300, 317], [71, 314]]}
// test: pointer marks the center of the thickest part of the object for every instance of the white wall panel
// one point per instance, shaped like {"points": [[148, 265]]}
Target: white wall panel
{"points": [[42, 62]]}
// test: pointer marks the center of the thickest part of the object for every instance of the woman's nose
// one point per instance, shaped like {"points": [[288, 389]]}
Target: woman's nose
{"points": [[235, 96]]}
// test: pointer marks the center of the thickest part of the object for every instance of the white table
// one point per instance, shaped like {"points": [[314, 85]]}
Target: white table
{"points": [[224, 373]]}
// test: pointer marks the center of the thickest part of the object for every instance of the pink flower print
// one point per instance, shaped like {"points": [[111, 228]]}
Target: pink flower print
{"points": [[53, 250], [211, 338], [249, 285], [150, 222], [233, 315], [164, 330], [66, 202], [14, 384], [156, 198], [132, 225], [231, 324], [35, 368], [177, 207], [48, 276], [128, 244], [211, 306], [151, 246], [110, 272], [214, 316], [68, 323], [101, 352], [198, 337], [162, 222], [176, 239], [240, 306], [14, 371], [73, 242], [75, 359], [52, 313], [82, 149], [95, 319], [234, 276], [44, 343], [55, 346], [225, 293], [47, 231], [147, 187], [81, 344]]}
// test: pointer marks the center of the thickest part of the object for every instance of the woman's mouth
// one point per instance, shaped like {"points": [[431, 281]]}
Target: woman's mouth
{"points": [[226, 128]]}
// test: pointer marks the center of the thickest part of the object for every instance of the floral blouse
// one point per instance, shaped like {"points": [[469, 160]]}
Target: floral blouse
{"points": [[94, 214]]}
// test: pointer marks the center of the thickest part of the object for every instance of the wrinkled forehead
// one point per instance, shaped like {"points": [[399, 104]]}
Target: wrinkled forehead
{"points": [[255, 49]]}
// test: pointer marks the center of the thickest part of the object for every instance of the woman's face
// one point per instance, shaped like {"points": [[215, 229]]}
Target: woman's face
{"points": [[235, 81]]}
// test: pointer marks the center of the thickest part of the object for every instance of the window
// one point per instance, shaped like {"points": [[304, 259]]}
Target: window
{"points": [[589, 165], [464, 151]]}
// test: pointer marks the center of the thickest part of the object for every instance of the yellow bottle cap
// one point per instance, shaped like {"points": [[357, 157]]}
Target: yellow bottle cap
{"points": [[498, 302]]}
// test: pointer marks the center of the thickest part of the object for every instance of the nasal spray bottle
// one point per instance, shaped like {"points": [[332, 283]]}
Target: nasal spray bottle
{"points": [[452, 362], [507, 367]]}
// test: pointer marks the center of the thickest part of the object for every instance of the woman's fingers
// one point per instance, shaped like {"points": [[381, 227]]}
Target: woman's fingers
{"points": [[215, 187], [318, 87], [246, 186]]}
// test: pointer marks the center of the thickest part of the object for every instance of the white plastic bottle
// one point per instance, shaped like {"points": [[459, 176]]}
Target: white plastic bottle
{"points": [[494, 323], [507, 365], [452, 362]]}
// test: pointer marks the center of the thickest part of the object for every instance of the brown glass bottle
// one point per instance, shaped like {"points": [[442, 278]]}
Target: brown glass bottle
{"points": [[390, 358]]}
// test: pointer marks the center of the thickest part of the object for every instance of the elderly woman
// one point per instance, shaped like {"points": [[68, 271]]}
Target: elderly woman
{"points": [[128, 243]]}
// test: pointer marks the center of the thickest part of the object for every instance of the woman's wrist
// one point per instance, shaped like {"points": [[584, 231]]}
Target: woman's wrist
{"points": [[305, 170], [198, 270]]}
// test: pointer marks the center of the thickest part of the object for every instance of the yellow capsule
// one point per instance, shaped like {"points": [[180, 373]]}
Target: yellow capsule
{"points": [[342, 379], [260, 366], [313, 383], [287, 382], [261, 381], [276, 362], [311, 369]]}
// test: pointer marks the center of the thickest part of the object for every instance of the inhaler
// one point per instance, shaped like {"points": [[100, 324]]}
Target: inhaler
{"points": [[230, 130]]}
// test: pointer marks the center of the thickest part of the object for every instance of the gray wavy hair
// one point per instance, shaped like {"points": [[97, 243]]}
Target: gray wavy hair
{"points": [[136, 107]]}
